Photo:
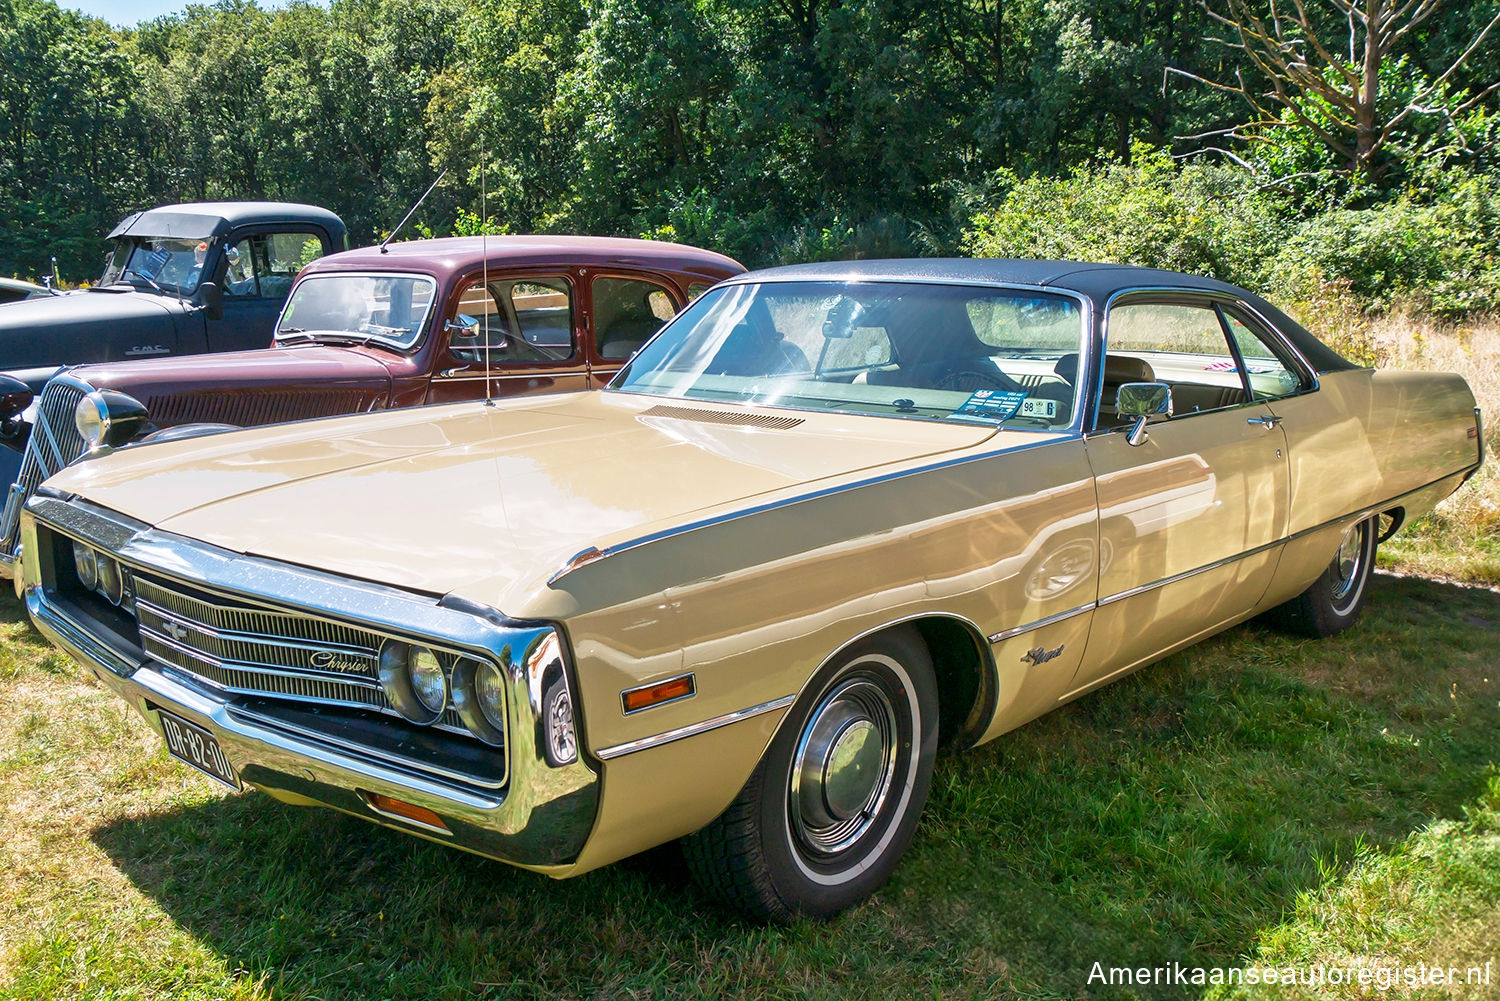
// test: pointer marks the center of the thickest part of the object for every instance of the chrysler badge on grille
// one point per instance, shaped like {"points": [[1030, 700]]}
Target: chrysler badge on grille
{"points": [[328, 660]]}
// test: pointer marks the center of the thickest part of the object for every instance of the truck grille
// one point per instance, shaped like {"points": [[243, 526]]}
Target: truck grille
{"points": [[242, 649], [54, 443]]}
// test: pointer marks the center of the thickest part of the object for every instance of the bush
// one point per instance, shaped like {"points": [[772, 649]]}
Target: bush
{"points": [[1439, 255], [1198, 218]]}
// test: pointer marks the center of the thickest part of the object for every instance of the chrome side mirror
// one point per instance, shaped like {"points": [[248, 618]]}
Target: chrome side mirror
{"points": [[463, 323], [1143, 401]]}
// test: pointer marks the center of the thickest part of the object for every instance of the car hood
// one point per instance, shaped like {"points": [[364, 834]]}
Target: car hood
{"points": [[489, 501], [308, 368], [67, 329]]}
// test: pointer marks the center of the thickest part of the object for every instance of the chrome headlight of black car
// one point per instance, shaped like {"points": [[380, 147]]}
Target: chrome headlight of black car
{"points": [[108, 418]]}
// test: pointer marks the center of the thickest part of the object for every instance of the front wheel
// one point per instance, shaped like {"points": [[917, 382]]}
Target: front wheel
{"points": [[833, 804], [1333, 602]]}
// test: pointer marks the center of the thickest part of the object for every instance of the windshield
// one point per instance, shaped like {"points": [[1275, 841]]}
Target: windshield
{"points": [[390, 309], [927, 351], [164, 263]]}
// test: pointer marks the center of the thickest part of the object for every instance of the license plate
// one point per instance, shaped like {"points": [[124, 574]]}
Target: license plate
{"points": [[193, 745]]}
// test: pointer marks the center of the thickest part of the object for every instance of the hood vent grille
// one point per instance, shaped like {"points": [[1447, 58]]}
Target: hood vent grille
{"points": [[251, 409], [719, 417]]}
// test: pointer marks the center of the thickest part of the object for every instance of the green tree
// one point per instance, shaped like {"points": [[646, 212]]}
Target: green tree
{"points": [[68, 126]]}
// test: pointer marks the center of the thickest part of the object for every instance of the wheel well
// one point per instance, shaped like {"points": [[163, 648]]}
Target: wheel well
{"points": [[965, 680], [1398, 518]]}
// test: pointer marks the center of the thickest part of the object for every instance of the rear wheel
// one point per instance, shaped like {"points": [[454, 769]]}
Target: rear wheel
{"points": [[832, 806], [1333, 602]]}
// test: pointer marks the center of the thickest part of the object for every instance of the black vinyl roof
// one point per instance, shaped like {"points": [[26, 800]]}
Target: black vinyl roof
{"points": [[1095, 282], [201, 220]]}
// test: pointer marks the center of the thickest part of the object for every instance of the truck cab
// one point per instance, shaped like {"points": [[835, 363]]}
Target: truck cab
{"points": [[178, 280]]}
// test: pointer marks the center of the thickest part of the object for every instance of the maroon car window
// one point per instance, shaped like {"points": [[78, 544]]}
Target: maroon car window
{"points": [[627, 311], [514, 321]]}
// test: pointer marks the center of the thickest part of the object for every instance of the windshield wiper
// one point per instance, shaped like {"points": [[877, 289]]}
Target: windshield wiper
{"points": [[149, 280]]}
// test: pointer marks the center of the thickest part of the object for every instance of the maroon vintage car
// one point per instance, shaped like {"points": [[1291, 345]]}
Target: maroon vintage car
{"points": [[429, 321]]}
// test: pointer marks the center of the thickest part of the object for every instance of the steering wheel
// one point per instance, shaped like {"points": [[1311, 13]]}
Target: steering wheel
{"points": [[971, 377]]}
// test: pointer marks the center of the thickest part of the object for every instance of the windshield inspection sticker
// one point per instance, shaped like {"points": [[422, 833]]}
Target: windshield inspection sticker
{"points": [[996, 404], [1039, 408]]}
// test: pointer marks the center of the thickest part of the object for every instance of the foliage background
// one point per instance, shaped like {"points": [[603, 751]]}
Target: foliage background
{"points": [[773, 130]]}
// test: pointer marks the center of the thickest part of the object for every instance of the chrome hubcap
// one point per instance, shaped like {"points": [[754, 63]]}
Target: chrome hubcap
{"points": [[843, 767], [1348, 565]]}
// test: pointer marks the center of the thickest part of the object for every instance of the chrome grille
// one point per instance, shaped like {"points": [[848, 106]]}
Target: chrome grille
{"points": [[248, 650], [54, 443]]}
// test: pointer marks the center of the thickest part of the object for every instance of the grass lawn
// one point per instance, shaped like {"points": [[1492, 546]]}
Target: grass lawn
{"points": [[1254, 799]]}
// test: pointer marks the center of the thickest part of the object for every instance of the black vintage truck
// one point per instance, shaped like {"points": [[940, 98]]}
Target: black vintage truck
{"points": [[179, 280]]}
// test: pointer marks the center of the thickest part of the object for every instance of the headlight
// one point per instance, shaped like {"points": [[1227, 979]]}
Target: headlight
{"points": [[86, 564], [489, 692], [479, 699], [413, 680], [427, 681], [111, 584], [106, 417], [90, 420]]}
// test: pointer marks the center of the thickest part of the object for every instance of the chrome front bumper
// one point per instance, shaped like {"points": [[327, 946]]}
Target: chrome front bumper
{"points": [[539, 820]]}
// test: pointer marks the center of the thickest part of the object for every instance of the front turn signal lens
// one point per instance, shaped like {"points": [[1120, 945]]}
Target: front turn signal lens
{"points": [[636, 699], [389, 806]]}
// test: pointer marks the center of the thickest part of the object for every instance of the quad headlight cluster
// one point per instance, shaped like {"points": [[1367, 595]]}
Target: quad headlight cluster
{"points": [[422, 684], [102, 574], [419, 685]]}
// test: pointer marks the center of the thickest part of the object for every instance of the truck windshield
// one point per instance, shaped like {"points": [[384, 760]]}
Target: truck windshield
{"points": [[389, 309], [163, 263]]}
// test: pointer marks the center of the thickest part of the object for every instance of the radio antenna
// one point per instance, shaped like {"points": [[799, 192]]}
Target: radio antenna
{"points": [[390, 236], [484, 273]]}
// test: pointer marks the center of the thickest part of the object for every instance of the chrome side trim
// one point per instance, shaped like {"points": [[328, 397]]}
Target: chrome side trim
{"points": [[695, 526], [506, 377], [1216, 564], [1006, 634], [693, 729], [1357, 515]]}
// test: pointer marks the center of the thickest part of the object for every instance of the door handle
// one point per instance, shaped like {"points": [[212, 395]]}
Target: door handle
{"points": [[1268, 421]]}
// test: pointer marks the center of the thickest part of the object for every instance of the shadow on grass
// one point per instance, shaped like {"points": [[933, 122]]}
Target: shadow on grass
{"points": [[1169, 817]]}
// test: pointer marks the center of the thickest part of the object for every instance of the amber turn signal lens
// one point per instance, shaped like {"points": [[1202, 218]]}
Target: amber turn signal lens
{"points": [[403, 810], [654, 695]]}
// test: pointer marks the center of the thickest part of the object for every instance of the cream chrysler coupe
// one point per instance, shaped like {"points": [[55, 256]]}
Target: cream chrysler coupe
{"points": [[831, 518]]}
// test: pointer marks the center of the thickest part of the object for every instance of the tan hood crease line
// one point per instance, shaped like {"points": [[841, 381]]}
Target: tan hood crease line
{"points": [[251, 492]]}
